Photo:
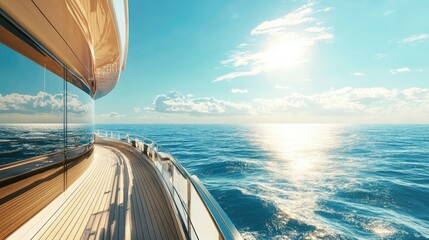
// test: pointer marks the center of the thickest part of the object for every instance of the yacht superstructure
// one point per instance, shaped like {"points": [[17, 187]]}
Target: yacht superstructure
{"points": [[61, 179]]}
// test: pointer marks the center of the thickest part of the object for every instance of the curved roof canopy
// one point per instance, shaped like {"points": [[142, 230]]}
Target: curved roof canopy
{"points": [[90, 38]]}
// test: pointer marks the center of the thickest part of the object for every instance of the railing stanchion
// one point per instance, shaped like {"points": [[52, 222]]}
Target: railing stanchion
{"points": [[189, 206]]}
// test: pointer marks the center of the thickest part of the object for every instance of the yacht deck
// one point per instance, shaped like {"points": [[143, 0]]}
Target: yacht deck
{"points": [[120, 196]]}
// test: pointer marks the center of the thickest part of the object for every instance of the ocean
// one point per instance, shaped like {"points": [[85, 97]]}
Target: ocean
{"points": [[308, 181]]}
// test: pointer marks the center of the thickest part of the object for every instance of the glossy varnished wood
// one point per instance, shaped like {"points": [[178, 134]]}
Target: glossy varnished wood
{"points": [[24, 195], [120, 197]]}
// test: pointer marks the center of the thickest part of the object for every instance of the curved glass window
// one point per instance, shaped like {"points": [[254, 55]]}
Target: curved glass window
{"points": [[80, 117], [46, 127], [31, 109], [41, 112]]}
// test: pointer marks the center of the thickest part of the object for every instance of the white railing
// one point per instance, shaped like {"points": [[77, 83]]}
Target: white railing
{"points": [[200, 214]]}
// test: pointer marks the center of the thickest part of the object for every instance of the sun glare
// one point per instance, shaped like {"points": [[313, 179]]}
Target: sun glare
{"points": [[299, 156], [301, 148], [284, 54]]}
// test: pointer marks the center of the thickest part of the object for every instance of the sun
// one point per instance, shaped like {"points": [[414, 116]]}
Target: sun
{"points": [[284, 53]]}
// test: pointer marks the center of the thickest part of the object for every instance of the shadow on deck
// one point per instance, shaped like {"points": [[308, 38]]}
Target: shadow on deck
{"points": [[119, 197]]}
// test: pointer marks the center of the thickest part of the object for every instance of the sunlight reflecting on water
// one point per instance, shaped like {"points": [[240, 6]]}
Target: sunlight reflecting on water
{"points": [[300, 165], [302, 149], [381, 229]]}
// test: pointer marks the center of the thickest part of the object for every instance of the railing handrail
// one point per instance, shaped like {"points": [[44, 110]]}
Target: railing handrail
{"points": [[221, 216], [154, 144], [224, 224]]}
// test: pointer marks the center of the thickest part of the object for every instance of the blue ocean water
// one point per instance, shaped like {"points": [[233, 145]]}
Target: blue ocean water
{"points": [[295, 181]]}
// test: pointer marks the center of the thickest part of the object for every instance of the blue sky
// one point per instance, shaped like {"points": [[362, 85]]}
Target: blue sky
{"points": [[273, 61], [241, 61]]}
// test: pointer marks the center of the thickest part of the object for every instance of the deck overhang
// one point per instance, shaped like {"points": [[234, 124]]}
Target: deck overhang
{"points": [[89, 37]]}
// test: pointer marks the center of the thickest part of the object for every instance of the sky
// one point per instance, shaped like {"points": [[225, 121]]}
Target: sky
{"points": [[256, 61], [273, 61], [31, 94]]}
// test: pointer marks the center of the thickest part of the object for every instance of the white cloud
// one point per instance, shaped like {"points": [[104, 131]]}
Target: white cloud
{"points": [[349, 100], [284, 43], [388, 12], [137, 109], [42, 102], [415, 38], [113, 115], [302, 15], [75, 105], [176, 102], [400, 70], [358, 74], [14, 101], [237, 90], [380, 56], [336, 102], [282, 87], [240, 59], [233, 75], [316, 29]]}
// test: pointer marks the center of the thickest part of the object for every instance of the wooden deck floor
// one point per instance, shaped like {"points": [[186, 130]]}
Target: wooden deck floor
{"points": [[119, 197]]}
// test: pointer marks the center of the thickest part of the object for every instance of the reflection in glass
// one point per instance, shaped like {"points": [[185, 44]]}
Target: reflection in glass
{"points": [[46, 126], [80, 115], [31, 108], [32, 134]]}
